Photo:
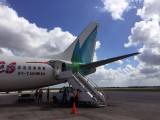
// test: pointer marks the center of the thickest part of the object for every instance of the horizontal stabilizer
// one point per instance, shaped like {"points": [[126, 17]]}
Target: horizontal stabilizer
{"points": [[106, 61]]}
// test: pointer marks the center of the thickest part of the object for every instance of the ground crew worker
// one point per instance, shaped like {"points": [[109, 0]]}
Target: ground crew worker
{"points": [[40, 95], [76, 96], [36, 94], [48, 94], [64, 97]]}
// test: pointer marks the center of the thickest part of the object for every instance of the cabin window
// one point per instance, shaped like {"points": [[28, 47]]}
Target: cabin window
{"points": [[39, 68], [29, 67], [34, 68], [24, 67], [19, 67], [43, 68]]}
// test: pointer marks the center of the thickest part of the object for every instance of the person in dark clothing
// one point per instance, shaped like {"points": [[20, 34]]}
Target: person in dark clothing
{"points": [[48, 94], [40, 95], [36, 95], [64, 97], [76, 96]]}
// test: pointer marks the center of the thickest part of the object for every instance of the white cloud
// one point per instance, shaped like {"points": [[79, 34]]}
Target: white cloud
{"points": [[27, 39], [4, 51], [97, 44], [109, 77], [128, 76], [116, 8], [97, 47], [3, 2], [128, 61], [150, 10], [119, 62], [146, 35]]}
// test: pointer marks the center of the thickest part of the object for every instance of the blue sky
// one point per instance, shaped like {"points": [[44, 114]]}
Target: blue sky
{"points": [[68, 18]]}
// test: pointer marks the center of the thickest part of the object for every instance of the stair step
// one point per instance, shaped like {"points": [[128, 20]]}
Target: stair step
{"points": [[90, 88]]}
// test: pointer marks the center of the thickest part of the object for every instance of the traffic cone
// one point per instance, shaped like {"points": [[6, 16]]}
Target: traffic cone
{"points": [[74, 109]]}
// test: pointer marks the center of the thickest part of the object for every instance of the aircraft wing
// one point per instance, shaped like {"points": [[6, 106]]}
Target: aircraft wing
{"points": [[106, 61]]}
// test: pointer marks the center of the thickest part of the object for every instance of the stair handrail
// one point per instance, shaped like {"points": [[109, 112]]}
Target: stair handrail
{"points": [[94, 85], [77, 81], [88, 80]]}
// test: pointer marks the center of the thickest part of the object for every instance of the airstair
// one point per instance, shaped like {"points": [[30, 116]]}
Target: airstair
{"points": [[88, 92]]}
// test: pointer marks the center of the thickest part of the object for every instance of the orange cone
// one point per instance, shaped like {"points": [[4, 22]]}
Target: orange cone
{"points": [[74, 109]]}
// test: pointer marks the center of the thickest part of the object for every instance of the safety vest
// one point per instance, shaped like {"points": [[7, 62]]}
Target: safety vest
{"points": [[40, 92], [76, 94]]}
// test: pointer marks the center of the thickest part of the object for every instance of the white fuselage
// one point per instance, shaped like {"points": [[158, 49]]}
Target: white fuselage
{"points": [[25, 75]]}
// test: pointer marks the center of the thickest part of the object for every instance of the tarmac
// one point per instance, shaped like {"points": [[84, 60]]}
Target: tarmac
{"points": [[121, 106]]}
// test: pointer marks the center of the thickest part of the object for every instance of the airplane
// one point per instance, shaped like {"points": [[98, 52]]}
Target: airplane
{"points": [[22, 73]]}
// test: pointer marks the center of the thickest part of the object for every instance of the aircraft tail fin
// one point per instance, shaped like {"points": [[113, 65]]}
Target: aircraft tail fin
{"points": [[82, 49]]}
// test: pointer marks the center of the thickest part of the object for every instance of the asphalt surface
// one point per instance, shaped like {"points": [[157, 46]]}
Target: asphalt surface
{"points": [[121, 106]]}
